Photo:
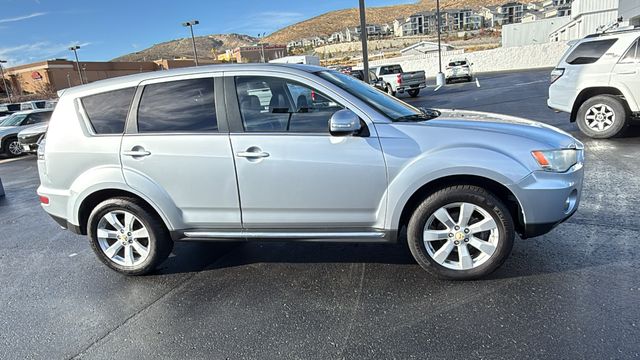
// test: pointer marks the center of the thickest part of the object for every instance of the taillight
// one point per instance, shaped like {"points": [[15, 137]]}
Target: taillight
{"points": [[41, 146], [556, 74], [44, 200], [399, 79]]}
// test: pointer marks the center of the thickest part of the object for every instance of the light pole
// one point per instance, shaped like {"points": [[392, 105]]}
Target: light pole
{"points": [[190, 25], [75, 52], [440, 79], [6, 88], [363, 38]]}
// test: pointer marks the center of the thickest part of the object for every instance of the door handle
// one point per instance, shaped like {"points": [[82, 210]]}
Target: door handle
{"points": [[627, 72], [252, 154], [136, 153]]}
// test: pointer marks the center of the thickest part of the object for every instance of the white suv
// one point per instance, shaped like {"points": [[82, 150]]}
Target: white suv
{"points": [[598, 83]]}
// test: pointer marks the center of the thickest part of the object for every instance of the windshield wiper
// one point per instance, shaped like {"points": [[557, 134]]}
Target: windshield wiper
{"points": [[426, 114]]}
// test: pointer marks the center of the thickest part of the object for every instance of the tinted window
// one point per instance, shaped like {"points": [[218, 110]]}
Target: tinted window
{"points": [[392, 69], [458, 63], [107, 112], [590, 52], [37, 118], [178, 106], [632, 55], [277, 105]]}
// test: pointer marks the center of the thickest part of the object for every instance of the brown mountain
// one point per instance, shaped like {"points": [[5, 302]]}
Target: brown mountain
{"points": [[328, 23], [207, 46]]}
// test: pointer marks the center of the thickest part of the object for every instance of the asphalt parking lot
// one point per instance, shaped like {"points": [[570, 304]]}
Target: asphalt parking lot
{"points": [[573, 293]]}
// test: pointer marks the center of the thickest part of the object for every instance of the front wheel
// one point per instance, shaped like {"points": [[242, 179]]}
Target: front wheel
{"points": [[602, 117], [390, 90], [461, 233], [414, 93], [128, 238], [13, 148]]}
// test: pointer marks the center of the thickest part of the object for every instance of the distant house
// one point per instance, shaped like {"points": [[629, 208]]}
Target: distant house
{"points": [[259, 53], [424, 47], [510, 13], [530, 16], [336, 37]]}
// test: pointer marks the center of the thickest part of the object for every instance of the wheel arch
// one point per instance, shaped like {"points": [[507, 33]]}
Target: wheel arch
{"points": [[588, 93], [89, 203], [494, 187]]}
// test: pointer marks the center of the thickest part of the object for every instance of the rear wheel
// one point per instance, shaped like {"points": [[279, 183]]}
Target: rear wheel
{"points": [[414, 93], [128, 238], [13, 148], [602, 117], [461, 233]]}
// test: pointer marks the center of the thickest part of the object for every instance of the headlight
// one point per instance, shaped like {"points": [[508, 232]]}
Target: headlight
{"points": [[556, 160]]}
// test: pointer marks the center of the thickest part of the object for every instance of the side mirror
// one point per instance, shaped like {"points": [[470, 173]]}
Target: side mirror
{"points": [[344, 122]]}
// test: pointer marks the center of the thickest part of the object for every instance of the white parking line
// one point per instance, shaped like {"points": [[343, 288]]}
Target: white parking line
{"points": [[5, 161], [477, 82]]}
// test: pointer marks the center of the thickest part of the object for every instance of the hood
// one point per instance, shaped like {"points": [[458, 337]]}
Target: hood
{"points": [[35, 129], [504, 124], [6, 130]]}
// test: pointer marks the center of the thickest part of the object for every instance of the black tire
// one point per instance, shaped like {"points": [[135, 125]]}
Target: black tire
{"points": [[469, 79], [461, 194], [414, 93], [9, 144], [621, 117], [390, 90], [160, 243]]}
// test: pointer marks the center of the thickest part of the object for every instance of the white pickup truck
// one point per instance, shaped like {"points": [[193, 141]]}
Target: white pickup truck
{"points": [[398, 81]]}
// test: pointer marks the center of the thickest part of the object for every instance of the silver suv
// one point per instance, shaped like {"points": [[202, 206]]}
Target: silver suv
{"points": [[300, 153], [598, 83]]}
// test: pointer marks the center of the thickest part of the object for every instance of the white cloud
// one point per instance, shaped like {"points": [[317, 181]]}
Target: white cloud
{"points": [[20, 18], [266, 22], [39, 51]]}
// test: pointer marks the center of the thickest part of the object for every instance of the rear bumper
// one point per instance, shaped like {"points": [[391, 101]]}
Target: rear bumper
{"points": [[404, 88], [66, 225]]}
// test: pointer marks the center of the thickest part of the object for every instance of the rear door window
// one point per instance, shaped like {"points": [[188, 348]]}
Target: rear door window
{"points": [[107, 112], [589, 52], [388, 70], [182, 106]]}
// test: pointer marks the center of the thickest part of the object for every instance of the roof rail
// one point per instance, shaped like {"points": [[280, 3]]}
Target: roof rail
{"points": [[613, 28]]}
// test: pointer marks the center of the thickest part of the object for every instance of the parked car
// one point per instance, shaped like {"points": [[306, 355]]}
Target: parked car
{"points": [[30, 137], [142, 161], [398, 81], [33, 105], [598, 82], [12, 125], [459, 69], [373, 79]]}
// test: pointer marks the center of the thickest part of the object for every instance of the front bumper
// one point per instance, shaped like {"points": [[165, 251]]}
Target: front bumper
{"points": [[548, 199]]}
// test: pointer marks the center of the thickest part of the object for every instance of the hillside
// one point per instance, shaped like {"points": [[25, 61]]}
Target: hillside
{"points": [[184, 48], [328, 23]]}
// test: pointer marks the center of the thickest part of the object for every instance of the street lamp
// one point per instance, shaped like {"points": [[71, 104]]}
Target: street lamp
{"points": [[440, 78], [190, 24], [6, 88], [75, 52], [363, 38]]}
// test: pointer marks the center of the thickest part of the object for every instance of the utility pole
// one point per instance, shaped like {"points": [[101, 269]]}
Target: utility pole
{"points": [[190, 25], [363, 38], [75, 52], [4, 81]]}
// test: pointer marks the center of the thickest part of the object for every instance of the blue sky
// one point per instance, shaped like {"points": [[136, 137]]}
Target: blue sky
{"points": [[35, 30]]}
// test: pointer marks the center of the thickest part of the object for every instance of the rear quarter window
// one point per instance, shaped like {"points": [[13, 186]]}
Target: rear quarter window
{"points": [[107, 112], [589, 52]]}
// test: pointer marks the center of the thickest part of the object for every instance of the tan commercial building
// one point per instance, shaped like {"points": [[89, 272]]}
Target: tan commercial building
{"points": [[259, 53], [47, 77]]}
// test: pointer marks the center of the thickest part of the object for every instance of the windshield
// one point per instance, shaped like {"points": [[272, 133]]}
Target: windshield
{"points": [[13, 120], [393, 108]]}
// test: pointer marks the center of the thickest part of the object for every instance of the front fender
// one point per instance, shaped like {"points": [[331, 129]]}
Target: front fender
{"points": [[480, 162]]}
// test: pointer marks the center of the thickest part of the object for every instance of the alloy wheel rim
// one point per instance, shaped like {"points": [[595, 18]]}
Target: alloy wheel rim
{"points": [[14, 148], [123, 238], [461, 244], [600, 117]]}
